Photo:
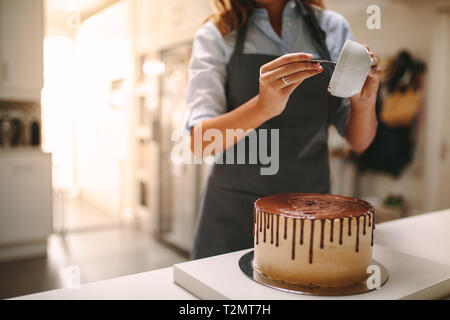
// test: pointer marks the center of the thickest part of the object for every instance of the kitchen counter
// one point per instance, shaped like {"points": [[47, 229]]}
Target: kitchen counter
{"points": [[425, 236], [152, 285]]}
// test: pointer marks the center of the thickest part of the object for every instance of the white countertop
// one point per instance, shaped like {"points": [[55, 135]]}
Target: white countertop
{"points": [[426, 236], [220, 277], [157, 285]]}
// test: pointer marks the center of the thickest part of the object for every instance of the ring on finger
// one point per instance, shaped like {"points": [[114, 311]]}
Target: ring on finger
{"points": [[375, 60], [286, 81]]}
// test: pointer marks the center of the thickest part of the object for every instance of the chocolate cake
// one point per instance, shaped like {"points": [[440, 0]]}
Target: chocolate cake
{"points": [[313, 239]]}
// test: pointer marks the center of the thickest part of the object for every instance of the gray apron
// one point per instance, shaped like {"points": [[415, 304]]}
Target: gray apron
{"points": [[226, 213]]}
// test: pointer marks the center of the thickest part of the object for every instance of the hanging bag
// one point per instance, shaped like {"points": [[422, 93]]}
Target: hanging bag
{"points": [[400, 108]]}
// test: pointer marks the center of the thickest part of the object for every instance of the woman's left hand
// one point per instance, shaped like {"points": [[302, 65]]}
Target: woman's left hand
{"points": [[362, 122], [370, 88]]}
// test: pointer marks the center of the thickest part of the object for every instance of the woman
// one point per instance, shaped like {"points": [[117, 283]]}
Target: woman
{"points": [[250, 71]]}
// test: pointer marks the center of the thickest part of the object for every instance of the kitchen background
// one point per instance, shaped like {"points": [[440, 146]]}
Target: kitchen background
{"points": [[90, 93]]}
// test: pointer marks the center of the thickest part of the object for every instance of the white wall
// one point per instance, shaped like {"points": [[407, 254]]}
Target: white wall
{"points": [[161, 24], [402, 26]]}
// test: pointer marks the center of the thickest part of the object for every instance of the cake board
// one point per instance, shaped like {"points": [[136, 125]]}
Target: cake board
{"points": [[246, 266], [220, 277]]}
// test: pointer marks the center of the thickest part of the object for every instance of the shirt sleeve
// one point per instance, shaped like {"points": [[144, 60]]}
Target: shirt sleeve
{"points": [[338, 32], [207, 74]]}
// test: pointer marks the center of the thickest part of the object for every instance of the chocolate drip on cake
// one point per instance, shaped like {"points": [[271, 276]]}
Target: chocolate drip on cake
{"points": [[265, 218], [312, 208], [364, 224], [294, 223], [311, 242], [255, 226], [302, 222], [331, 230], [357, 234], [322, 224], [271, 228], [349, 226], [373, 228], [278, 228], [260, 221]]}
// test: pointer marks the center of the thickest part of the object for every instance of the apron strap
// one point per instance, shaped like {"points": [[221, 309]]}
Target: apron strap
{"points": [[240, 40], [316, 32]]}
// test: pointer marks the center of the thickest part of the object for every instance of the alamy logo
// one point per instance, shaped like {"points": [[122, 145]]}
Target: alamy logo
{"points": [[374, 20], [374, 280], [209, 145], [71, 277]]}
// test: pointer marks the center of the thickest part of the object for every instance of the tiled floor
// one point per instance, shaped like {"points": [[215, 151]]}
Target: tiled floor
{"points": [[99, 254]]}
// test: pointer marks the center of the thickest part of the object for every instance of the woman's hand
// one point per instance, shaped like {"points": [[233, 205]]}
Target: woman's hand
{"points": [[274, 92], [369, 91], [270, 102], [362, 122]]}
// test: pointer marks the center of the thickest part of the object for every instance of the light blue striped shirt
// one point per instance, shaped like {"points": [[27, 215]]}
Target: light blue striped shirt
{"points": [[211, 53]]}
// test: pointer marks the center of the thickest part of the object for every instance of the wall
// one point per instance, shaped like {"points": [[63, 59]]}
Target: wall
{"points": [[103, 52], [403, 26], [162, 24], [409, 25], [437, 155]]}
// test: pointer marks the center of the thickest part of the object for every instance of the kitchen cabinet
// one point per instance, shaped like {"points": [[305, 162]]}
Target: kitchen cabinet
{"points": [[25, 203], [21, 49]]}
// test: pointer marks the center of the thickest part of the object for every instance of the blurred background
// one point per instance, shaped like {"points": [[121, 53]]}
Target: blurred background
{"points": [[91, 91]]}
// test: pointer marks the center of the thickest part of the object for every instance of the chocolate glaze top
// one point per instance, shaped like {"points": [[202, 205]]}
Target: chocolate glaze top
{"points": [[314, 206]]}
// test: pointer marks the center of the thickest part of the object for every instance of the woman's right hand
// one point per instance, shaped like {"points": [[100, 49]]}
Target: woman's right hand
{"points": [[270, 102], [273, 91]]}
